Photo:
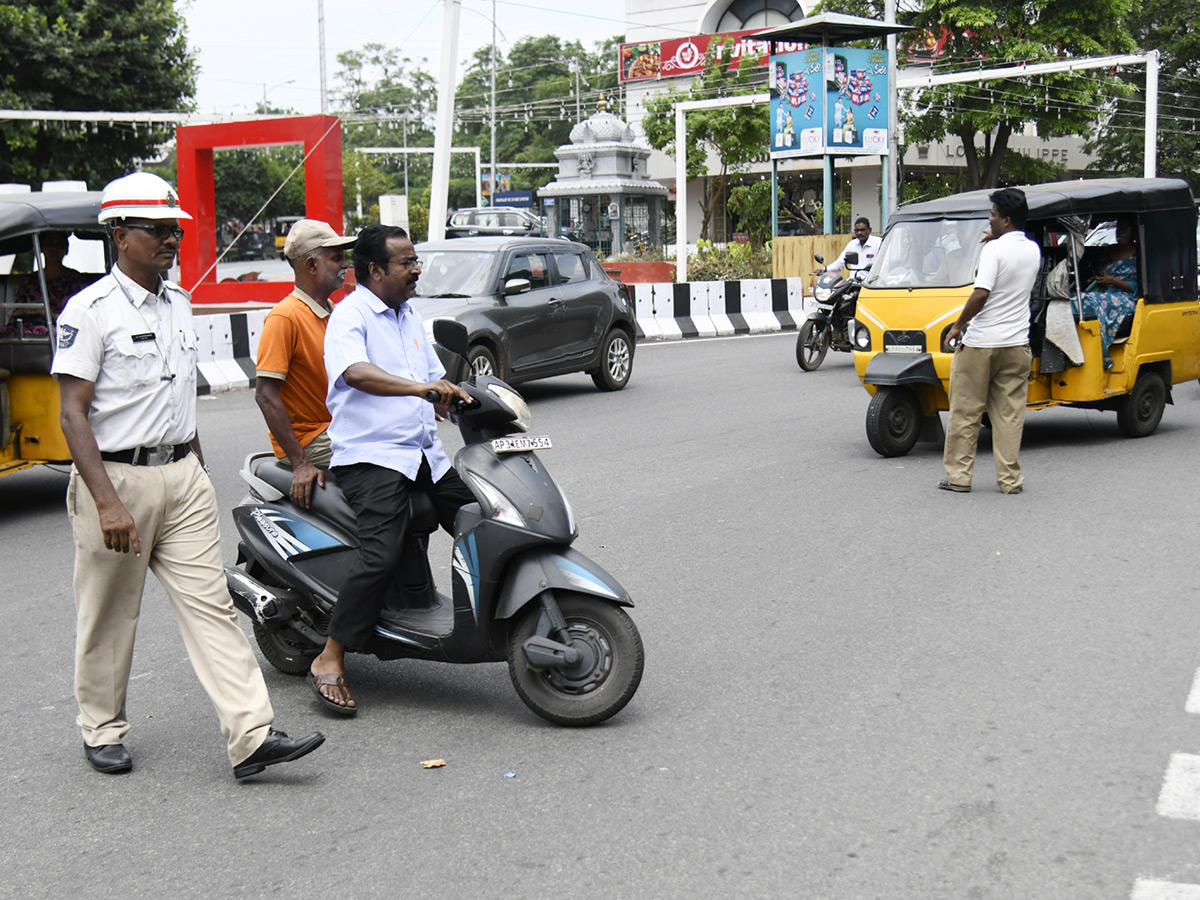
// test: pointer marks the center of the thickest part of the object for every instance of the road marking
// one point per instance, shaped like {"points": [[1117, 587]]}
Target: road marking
{"points": [[1180, 795], [1147, 889], [1193, 701]]}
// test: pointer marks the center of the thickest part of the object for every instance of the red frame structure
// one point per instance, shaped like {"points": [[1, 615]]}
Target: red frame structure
{"points": [[322, 140]]}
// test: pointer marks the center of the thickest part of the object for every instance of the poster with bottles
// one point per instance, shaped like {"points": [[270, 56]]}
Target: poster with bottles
{"points": [[828, 100], [796, 77]]}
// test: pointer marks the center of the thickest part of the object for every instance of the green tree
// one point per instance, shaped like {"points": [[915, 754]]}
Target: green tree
{"points": [[535, 99], [736, 136], [751, 203], [83, 55], [994, 33], [1119, 140]]}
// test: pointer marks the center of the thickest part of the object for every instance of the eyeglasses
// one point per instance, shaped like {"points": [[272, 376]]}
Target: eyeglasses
{"points": [[162, 232], [410, 263]]}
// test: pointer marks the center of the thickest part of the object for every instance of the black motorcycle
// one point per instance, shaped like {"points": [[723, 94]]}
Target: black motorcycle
{"points": [[833, 324]]}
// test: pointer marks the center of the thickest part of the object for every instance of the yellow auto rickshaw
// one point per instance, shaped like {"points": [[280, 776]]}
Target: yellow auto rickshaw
{"points": [[923, 275], [34, 228]]}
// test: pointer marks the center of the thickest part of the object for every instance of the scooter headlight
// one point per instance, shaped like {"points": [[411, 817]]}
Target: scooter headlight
{"points": [[862, 335], [516, 403], [496, 505]]}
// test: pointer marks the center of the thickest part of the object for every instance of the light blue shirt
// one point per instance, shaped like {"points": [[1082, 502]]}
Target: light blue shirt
{"points": [[392, 432]]}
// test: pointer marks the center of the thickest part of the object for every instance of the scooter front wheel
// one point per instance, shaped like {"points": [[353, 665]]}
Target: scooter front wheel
{"points": [[600, 683], [813, 343]]}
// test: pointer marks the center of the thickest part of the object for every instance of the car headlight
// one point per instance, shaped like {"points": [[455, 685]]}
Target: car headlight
{"points": [[862, 335], [496, 505], [516, 403]]}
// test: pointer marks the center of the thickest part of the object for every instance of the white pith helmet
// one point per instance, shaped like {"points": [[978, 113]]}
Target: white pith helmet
{"points": [[140, 195]]}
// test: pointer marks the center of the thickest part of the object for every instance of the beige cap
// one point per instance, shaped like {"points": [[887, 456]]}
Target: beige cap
{"points": [[309, 234]]}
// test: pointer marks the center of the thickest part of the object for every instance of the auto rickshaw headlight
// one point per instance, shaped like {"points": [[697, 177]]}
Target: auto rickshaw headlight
{"points": [[862, 335]]}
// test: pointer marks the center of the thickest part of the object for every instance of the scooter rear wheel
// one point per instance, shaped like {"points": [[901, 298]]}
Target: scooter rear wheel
{"points": [[812, 344], [288, 651], [601, 683]]}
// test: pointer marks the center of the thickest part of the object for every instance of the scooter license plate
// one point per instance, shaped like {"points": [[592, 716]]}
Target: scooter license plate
{"points": [[520, 444]]}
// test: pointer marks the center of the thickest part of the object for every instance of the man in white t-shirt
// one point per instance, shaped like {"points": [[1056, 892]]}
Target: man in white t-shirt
{"points": [[990, 341]]}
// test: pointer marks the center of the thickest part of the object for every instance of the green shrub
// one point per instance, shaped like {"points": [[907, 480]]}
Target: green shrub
{"points": [[733, 263]]}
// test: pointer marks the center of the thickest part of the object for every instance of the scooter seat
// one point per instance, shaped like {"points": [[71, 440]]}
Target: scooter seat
{"points": [[330, 503]]}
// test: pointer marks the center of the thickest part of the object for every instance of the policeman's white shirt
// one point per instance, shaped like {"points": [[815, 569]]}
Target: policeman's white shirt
{"points": [[139, 350], [866, 254]]}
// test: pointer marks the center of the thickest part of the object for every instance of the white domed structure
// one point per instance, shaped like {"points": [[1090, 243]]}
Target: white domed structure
{"points": [[602, 181]]}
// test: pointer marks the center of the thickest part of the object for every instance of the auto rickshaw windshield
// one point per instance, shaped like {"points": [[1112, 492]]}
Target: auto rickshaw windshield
{"points": [[935, 253]]}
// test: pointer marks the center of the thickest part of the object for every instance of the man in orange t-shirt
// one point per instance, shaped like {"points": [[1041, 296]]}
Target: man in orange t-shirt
{"points": [[291, 384]]}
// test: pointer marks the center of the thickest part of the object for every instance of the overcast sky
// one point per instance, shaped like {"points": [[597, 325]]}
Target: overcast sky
{"points": [[247, 46]]}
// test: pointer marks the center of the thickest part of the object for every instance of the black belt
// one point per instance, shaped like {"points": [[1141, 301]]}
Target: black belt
{"points": [[149, 456]]}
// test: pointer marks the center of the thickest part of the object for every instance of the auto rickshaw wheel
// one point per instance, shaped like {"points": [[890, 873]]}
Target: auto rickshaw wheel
{"points": [[893, 421], [1141, 409]]}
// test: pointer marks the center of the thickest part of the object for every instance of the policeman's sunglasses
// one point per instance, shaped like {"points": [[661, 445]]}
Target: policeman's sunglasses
{"points": [[162, 232]]}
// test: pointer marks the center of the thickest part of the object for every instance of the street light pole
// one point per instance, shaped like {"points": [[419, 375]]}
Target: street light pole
{"points": [[492, 196]]}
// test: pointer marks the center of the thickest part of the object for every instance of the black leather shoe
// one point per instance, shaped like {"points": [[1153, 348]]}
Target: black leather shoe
{"points": [[278, 748], [112, 759]]}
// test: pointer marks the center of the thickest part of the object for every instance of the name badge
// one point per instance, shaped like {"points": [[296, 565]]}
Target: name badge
{"points": [[142, 338]]}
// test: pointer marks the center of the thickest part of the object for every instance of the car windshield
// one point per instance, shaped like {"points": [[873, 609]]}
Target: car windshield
{"points": [[941, 253], [455, 273]]}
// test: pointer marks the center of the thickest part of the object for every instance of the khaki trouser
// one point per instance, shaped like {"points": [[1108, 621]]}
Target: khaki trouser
{"points": [[995, 379], [175, 510], [319, 452]]}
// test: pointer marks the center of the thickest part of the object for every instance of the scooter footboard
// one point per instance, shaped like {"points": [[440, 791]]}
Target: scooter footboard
{"points": [[559, 569]]}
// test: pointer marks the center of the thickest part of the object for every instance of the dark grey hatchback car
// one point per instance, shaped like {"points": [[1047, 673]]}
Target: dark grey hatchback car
{"points": [[533, 307]]}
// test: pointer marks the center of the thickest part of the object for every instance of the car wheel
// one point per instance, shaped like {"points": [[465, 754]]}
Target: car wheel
{"points": [[616, 361], [483, 362]]}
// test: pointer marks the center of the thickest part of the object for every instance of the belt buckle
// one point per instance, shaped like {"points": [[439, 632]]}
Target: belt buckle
{"points": [[162, 455]]}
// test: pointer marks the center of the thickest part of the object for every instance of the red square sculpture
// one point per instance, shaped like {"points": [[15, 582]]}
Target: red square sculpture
{"points": [[194, 146]]}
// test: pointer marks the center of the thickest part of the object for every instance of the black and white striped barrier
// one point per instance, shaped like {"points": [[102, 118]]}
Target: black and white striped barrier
{"points": [[713, 308], [228, 342]]}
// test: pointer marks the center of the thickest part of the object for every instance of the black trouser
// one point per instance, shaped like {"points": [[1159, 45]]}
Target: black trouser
{"points": [[379, 497]]}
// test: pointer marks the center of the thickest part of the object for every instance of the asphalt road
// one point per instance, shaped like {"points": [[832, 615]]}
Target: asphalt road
{"points": [[857, 686]]}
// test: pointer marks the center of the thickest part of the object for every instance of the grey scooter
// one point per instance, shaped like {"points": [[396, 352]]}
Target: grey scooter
{"points": [[520, 592]]}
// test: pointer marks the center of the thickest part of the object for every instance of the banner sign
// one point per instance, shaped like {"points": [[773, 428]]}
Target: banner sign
{"points": [[685, 56], [829, 101]]}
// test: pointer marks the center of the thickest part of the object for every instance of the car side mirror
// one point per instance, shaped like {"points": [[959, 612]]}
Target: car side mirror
{"points": [[516, 286]]}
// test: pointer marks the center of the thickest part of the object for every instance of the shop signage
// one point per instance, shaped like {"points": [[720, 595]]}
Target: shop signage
{"points": [[685, 56]]}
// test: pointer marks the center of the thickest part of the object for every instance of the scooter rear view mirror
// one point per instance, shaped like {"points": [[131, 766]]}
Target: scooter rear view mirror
{"points": [[452, 335]]}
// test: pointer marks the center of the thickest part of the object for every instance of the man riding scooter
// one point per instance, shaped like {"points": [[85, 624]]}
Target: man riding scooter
{"points": [[384, 437]]}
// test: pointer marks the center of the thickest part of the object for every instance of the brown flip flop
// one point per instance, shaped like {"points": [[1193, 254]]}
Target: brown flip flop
{"points": [[330, 678]]}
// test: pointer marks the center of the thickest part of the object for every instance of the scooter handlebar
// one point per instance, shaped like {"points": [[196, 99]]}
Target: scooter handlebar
{"points": [[457, 404]]}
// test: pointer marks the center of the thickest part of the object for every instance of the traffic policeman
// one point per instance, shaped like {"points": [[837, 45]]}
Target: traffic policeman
{"points": [[139, 497]]}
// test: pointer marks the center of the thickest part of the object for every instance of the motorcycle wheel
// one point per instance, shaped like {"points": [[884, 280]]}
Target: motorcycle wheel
{"points": [[286, 650], [601, 683], [893, 421], [812, 344]]}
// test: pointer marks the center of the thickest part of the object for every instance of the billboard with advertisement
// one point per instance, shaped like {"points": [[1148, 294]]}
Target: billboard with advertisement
{"points": [[685, 56], [797, 102], [829, 100]]}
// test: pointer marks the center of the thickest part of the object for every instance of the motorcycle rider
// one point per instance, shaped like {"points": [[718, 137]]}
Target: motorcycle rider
{"points": [[865, 244], [383, 432]]}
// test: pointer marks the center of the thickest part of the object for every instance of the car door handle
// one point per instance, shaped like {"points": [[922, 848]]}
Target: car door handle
{"points": [[555, 301]]}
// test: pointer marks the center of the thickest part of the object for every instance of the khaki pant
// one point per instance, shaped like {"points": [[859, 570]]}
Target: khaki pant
{"points": [[175, 510], [319, 452], [995, 379]]}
